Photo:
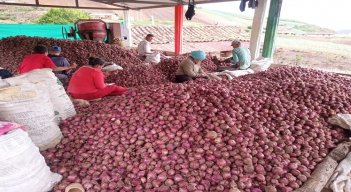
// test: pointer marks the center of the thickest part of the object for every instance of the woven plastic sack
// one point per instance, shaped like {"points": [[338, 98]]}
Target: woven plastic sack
{"points": [[63, 105], [112, 67], [3, 83], [22, 167], [261, 65], [341, 120], [9, 126], [29, 106], [153, 58]]}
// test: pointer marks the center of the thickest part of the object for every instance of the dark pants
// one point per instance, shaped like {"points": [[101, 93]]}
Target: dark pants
{"points": [[63, 78], [5, 74], [182, 78]]}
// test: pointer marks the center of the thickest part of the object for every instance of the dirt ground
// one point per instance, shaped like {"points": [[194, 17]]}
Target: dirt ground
{"points": [[330, 54], [312, 59]]}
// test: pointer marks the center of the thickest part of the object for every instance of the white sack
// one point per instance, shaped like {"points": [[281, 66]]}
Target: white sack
{"points": [[3, 83], [113, 67], [63, 105], [22, 167], [232, 74], [261, 65], [29, 106], [341, 179], [153, 58], [341, 120]]}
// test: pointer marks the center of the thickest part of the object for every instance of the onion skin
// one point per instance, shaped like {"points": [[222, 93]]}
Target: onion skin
{"points": [[264, 130]]}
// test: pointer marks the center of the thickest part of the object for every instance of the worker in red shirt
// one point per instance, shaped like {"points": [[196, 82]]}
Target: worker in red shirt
{"points": [[39, 60], [88, 82]]}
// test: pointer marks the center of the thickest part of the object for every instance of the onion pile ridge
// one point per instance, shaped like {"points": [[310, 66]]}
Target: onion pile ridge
{"points": [[14, 49]]}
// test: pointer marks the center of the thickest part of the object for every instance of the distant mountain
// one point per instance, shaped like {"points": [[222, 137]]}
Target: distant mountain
{"points": [[344, 31]]}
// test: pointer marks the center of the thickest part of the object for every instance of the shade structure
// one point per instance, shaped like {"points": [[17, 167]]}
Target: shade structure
{"points": [[107, 4]]}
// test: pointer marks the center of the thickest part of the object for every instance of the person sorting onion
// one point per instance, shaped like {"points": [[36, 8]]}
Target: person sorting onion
{"points": [[145, 52], [190, 68], [241, 59], [39, 60], [60, 61], [88, 82]]}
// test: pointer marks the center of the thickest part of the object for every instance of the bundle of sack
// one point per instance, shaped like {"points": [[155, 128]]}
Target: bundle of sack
{"points": [[257, 66], [37, 100], [22, 167]]}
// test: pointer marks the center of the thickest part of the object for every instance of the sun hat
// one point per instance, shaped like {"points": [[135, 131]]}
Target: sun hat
{"points": [[55, 48], [199, 54]]}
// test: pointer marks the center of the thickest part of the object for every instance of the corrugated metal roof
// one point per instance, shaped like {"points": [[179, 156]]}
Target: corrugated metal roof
{"points": [[149, 4], [108, 4]]}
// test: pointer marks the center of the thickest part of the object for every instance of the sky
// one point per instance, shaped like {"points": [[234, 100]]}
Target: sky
{"points": [[333, 14]]}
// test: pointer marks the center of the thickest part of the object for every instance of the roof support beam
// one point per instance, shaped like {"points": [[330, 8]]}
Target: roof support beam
{"points": [[271, 28], [178, 29], [112, 3], [133, 4], [183, 2], [143, 2], [128, 25], [257, 28], [178, 1], [60, 6]]}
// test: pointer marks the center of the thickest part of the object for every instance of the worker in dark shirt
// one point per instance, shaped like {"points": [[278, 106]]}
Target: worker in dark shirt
{"points": [[60, 61]]}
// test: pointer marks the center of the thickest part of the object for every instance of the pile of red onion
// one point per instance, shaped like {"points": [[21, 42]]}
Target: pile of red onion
{"points": [[137, 75], [14, 49], [162, 72], [263, 131]]}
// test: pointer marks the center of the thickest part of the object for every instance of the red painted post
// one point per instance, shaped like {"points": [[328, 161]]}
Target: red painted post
{"points": [[178, 29]]}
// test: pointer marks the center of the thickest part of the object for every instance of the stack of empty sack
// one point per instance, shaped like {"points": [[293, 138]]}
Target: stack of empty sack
{"points": [[37, 100], [260, 65], [22, 167]]}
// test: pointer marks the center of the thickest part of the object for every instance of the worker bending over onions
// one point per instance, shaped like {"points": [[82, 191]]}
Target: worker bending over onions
{"points": [[241, 59], [88, 82], [39, 60], [190, 68]]}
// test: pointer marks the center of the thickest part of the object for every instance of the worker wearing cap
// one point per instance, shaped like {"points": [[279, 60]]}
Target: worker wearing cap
{"points": [[190, 68], [88, 82], [241, 58], [59, 61], [39, 60]]}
